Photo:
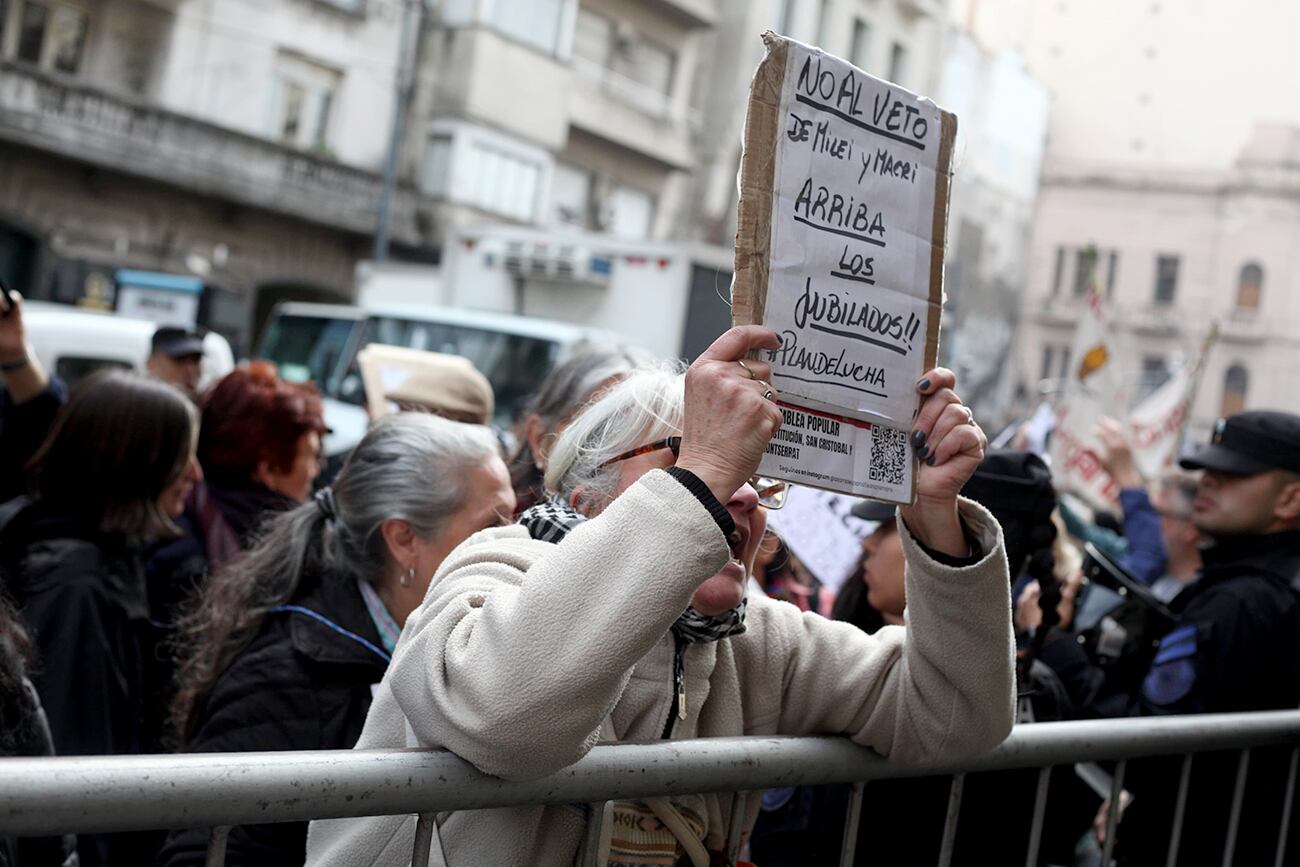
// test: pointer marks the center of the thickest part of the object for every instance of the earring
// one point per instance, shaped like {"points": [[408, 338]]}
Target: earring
{"points": [[407, 577]]}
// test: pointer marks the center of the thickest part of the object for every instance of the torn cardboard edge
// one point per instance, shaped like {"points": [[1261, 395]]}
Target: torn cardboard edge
{"points": [[756, 182]]}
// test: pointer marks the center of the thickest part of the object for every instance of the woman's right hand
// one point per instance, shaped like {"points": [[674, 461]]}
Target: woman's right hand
{"points": [[728, 419]]}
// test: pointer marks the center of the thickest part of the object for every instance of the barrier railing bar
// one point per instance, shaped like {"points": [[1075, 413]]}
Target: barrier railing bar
{"points": [[105, 794], [739, 803], [950, 821], [1112, 815], [1234, 817], [1180, 809], [217, 840], [1288, 801], [852, 817], [1040, 811], [593, 843], [424, 828]]}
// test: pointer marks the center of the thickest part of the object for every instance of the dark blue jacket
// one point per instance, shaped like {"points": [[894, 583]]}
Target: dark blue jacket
{"points": [[1146, 558]]}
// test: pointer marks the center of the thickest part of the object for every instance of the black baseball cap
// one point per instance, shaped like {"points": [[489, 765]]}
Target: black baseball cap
{"points": [[177, 342], [1250, 442], [873, 510]]}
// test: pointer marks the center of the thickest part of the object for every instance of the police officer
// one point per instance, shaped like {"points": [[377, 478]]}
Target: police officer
{"points": [[1236, 645]]}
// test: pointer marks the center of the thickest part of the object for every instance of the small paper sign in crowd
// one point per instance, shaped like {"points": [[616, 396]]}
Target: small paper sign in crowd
{"points": [[839, 249]]}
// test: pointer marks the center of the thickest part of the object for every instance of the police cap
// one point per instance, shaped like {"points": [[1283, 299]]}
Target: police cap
{"points": [[1251, 442]]}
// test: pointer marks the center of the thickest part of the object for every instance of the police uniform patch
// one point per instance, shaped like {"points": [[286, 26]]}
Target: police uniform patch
{"points": [[775, 799], [1173, 671]]}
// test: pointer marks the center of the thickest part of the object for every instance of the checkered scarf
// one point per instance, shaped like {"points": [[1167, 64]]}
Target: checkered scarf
{"points": [[551, 520]]}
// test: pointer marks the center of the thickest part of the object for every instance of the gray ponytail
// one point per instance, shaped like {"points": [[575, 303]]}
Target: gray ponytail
{"points": [[410, 466]]}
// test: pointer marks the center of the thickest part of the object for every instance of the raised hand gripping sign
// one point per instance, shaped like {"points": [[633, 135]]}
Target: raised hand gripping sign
{"points": [[839, 249]]}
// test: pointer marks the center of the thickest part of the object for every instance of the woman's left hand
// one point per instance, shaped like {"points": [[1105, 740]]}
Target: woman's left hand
{"points": [[946, 438], [950, 445]]}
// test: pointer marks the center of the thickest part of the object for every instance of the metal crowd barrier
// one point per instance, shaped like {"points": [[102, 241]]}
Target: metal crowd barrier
{"points": [[219, 790]]}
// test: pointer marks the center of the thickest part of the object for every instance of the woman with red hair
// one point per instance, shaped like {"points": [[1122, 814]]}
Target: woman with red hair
{"points": [[260, 448], [260, 444]]}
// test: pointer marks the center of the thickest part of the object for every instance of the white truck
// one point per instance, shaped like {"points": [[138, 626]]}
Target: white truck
{"points": [[670, 298], [320, 342], [73, 343], [513, 301]]}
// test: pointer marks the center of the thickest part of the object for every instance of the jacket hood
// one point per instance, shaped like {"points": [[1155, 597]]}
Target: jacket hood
{"points": [[44, 547]]}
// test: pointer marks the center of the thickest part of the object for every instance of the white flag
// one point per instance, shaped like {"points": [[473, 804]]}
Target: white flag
{"points": [[1094, 387], [1156, 424]]}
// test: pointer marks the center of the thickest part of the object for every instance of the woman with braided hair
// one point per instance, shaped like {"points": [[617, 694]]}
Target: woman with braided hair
{"points": [[286, 643], [1052, 681]]}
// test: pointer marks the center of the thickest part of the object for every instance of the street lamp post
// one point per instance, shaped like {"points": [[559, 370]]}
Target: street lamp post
{"points": [[411, 19]]}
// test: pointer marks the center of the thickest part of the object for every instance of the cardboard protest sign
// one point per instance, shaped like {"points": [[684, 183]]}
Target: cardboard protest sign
{"points": [[449, 385], [839, 249]]}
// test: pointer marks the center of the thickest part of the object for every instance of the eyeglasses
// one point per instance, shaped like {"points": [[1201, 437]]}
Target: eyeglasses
{"points": [[771, 493], [674, 443]]}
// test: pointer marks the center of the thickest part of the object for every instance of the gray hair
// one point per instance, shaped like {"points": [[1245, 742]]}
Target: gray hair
{"points": [[644, 407], [410, 467], [1180, 487], [564, 391], [572, 382]]}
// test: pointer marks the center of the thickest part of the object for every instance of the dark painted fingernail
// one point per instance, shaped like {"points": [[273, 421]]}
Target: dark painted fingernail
{"points": [[918, 438], [922, 451], [779, 341], [929, 462], [923, 384]]}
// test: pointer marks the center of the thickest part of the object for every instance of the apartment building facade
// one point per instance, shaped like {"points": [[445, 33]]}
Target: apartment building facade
{"points": [[1174, 255], [559, 113], [232, 141], [1171, 182]]}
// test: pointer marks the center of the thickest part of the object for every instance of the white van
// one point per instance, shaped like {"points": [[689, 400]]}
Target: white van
{"points": [[74, 342], [320, 342]]}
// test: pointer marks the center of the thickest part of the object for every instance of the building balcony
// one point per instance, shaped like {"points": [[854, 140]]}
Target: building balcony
{"points": [[72, 119], [1057, 310], [497, 80], [696, 13], [918, 8], [1243, 327], [626, 112], [1152, 321]]}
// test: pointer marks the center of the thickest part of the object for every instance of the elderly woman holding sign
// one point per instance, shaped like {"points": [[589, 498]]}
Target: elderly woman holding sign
{"points": [[616, 611]]}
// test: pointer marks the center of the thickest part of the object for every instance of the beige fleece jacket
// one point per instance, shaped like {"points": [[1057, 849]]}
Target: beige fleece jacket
{"points": [[523, 649]]}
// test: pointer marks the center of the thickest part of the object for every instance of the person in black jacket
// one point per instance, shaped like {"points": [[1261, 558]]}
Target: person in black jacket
{"points": [[1235, 647], [114, 471], [287, 642], [260, 449], [24, 732], [29, 400]]}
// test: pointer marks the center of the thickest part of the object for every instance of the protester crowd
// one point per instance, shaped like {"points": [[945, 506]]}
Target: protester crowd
{"points": [[182, 570]]}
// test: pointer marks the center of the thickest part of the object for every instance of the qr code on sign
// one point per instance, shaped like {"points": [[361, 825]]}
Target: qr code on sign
{"points": [[888, 455]]}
